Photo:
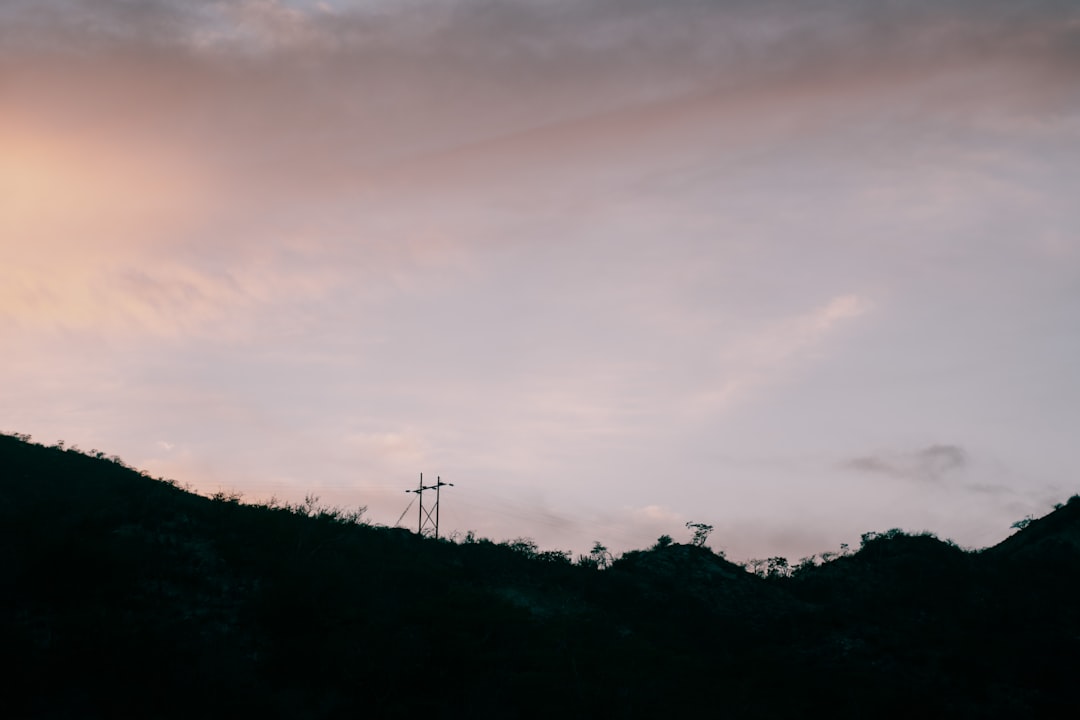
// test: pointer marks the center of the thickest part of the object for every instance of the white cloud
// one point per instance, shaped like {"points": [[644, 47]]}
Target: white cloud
{"points": [[656, 515], [768, 356]]}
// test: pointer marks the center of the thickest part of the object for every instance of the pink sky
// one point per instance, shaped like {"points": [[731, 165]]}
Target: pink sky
{"points": [[798, 272]]}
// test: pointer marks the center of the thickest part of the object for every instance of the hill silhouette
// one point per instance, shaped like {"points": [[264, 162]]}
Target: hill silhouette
{"points": [[126, 596]]}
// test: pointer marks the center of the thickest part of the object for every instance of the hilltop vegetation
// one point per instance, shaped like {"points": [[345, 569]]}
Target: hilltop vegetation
{"points": [[128, 596]]}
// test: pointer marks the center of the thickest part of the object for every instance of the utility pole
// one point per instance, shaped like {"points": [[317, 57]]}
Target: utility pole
{"points": [[425, 519]]}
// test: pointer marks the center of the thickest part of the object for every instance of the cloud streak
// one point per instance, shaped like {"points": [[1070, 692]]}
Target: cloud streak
{"points": [[931, 464]]}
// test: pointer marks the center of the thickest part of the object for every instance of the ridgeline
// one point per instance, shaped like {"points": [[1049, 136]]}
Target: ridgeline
{"points": [[126, 596]]}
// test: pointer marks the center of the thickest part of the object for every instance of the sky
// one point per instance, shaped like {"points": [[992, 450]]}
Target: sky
{"points": [[798, 270]]}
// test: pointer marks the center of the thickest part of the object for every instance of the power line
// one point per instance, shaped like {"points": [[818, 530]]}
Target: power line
{"points": [[404, 511]]}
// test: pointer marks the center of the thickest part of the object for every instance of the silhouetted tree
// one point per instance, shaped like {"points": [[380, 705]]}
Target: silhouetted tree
{"points": [[555, 556], [600, 555], [1022, 523], [757, 566], [701, 533], [778, 567], [523, 546]]}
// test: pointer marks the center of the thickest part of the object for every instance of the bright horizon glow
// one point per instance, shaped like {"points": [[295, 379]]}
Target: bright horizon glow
{"points": [[607, 266]]}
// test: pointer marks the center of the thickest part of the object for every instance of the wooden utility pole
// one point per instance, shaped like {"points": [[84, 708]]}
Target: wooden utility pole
{"points": [[425, 517]]}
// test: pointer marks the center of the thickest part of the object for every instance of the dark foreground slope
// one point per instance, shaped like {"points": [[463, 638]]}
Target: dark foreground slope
{"points": [[124, 596]]}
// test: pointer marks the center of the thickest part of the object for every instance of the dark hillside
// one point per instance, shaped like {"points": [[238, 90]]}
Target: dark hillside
{"points": [[124, 596], [893, 569], [1055, 537]]}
